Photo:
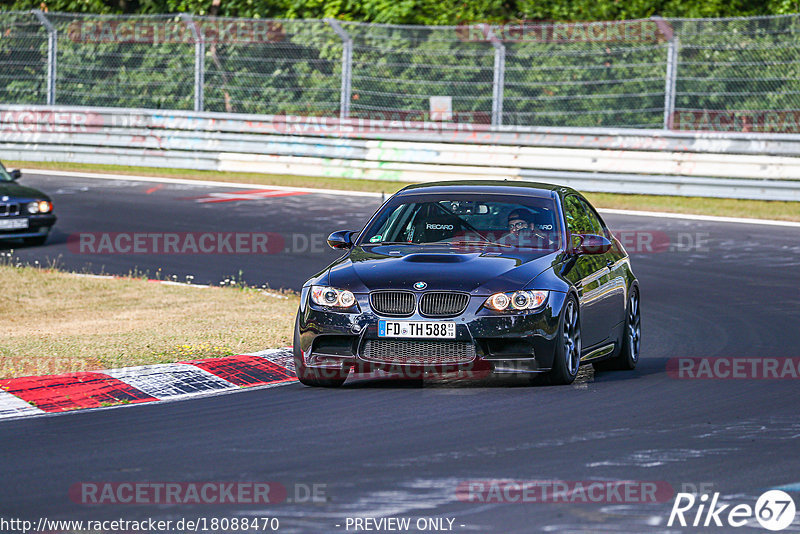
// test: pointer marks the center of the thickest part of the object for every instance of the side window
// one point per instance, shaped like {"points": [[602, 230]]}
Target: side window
{"points": [[594, 219], [578, 221]]}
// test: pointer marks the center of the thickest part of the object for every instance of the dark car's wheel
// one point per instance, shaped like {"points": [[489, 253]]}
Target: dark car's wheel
{"points": [[631, 339], [567, 357], [327, 378]]}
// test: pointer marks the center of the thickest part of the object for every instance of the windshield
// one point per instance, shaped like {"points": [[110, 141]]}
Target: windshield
{"points": [[4, 176], [501, 221]]}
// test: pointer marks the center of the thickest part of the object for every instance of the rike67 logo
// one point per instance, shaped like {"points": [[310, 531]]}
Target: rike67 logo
{"points": [[774, 510]]}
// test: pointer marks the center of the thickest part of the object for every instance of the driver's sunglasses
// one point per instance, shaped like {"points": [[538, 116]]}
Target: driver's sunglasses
{"points": [[517, 225]]}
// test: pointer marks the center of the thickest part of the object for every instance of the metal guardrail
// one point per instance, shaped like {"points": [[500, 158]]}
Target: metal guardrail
{"points": [[754, 166]]}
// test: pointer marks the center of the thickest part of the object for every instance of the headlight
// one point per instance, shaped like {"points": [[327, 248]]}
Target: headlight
{"points": [[39, 206], [330, 296], [517, 300]]}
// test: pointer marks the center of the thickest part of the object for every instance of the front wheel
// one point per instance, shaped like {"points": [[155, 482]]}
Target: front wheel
{"points": [[326, 378], [567, 357]]}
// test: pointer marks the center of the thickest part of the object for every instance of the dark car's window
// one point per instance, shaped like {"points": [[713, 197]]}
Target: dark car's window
{"points": [[4, 176], [580, 218], [446, 219]]}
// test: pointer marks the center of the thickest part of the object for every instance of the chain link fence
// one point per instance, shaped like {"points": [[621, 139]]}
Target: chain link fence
{"points": [[738, 74]]}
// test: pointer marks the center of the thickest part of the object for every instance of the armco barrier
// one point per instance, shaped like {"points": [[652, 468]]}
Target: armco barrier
{"points": [[755, 166]]}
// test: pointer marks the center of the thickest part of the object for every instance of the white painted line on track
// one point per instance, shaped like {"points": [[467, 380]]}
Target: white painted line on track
{"points": [[637, 213], [709, 218]]}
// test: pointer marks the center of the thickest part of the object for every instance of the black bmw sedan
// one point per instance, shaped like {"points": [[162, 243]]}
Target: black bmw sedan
{"points": [[514, 277], [25, 213]]}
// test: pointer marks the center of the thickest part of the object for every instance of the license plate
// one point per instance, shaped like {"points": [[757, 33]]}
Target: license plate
{"points": [[424, 329], [13, 224]]}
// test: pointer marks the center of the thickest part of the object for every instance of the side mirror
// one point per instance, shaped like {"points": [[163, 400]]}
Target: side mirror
{"points": [[15, 175], [590, 244], [341, 239]]}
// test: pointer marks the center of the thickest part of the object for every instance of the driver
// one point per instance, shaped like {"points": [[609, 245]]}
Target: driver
{"points": [[522, 230], [520, 221]]}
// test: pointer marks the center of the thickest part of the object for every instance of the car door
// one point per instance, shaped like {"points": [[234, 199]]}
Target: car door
{"points": [[589, 273], [612, 302]]}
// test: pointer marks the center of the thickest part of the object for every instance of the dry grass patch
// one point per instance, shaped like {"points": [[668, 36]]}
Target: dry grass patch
{"points": [[55, 322]]}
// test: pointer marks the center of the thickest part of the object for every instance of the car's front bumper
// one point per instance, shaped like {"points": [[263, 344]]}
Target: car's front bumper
{"points": [[38, 226], [503, 342]]}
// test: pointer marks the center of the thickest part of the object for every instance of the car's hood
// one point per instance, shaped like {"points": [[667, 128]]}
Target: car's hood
{"points": [[400, 267], [16, 191]]}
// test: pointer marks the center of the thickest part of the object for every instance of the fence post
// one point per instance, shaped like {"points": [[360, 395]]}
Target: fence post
{"points": [[671, 77], [347, 67], [671, 81], [499, 75], [52, 56], [199, 61]]}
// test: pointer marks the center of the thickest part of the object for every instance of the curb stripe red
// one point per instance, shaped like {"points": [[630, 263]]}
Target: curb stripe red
{"points": [[58, 393], [245, 370], [35, 395]]}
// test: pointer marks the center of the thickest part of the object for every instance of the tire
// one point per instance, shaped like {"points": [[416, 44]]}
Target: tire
{"points": [[35, 241], [567, 357], [631, 341], [326, 378]]}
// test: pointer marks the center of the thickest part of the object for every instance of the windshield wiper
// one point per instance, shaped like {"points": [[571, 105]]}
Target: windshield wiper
{"points": [[482, 242]]}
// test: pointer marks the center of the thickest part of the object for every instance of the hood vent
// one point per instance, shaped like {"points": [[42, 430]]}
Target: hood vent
{"points": [[436, 258]]}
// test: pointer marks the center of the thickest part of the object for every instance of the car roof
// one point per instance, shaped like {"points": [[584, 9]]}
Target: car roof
{"points": [[499, 187]]}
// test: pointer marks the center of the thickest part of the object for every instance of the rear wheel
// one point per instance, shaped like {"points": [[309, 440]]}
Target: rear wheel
{"points": [[567, 357], [327, 378], [631, 339]]}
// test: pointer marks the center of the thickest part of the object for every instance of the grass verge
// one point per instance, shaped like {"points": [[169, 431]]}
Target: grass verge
{"points": [[56, 322], [757, 209]]}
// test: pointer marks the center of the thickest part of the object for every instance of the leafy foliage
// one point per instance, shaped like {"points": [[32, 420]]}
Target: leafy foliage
{"points": [[424, 11], [723, 65]]}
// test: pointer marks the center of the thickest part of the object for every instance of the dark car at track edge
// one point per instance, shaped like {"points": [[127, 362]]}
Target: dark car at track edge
{"points": [[25, 213], [513, 277]]}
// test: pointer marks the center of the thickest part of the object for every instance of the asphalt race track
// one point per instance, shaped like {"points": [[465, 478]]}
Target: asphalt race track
{"points": [[301, 223], [403, 448]]}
